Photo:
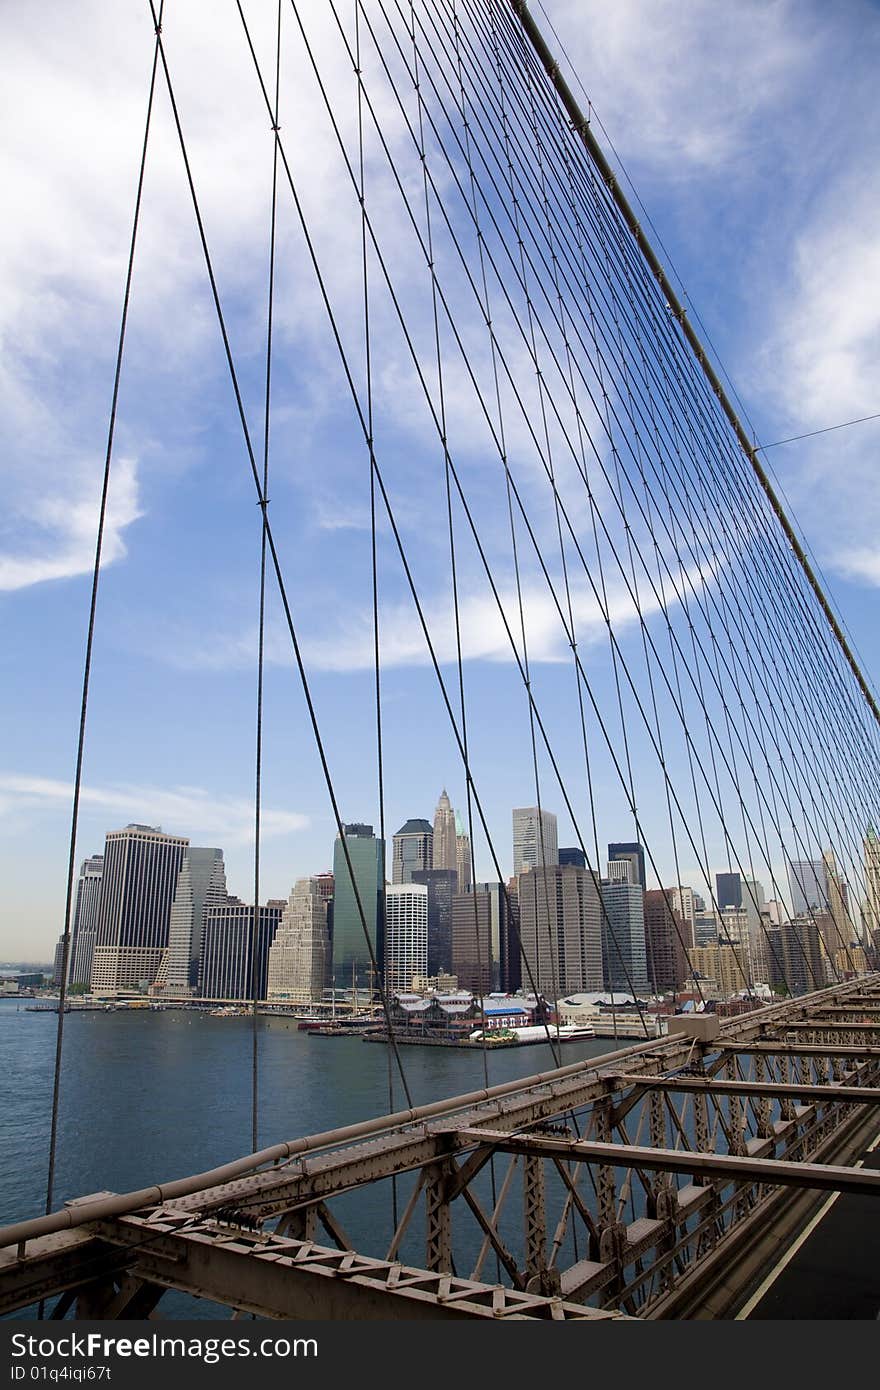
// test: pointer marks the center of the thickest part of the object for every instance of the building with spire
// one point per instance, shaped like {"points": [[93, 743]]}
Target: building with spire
{"points": [[463, 861], [443, 849]]}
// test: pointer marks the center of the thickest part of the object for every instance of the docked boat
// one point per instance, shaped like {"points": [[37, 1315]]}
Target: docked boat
{"points": [[537, 1032]]}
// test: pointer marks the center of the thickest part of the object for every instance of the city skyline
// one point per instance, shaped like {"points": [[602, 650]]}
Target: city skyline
{"points": [[154, 911]]}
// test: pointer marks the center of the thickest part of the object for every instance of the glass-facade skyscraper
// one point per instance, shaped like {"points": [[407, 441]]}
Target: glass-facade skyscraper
{"points": [[351, 957]]}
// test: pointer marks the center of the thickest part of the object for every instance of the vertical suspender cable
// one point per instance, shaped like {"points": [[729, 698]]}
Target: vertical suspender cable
{"points": [[263, 504]]}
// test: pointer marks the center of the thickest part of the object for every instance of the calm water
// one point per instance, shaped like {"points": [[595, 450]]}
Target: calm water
{"points": [[148, 1097]]}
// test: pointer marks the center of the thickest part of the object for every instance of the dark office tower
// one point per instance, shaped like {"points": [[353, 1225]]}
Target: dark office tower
{"points": [[481, 939], [351, 957], [503, 928], [666, 934], [573, 856], [411, 850], [560, 930], [635, 856], [141, 866], [511, 960], [442, 885], [728, 891], [623, 931], [227, 941], [201, 884], [85, 920], [803, 955]]}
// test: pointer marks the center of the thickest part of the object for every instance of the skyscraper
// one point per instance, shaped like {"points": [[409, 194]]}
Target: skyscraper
{"points": [[299, 956], [442, 885], [201, 883], [574, 856], [351, 957], [85, 919], [406, 935], [683, 901], [728, 890], [806, 881], [666, 937], [838, 905], [463, 862], [560, 929], [444, 835], [632, 854], [535, 842], [411, 850], [141, 865], [227, 945], [623, 929], [871, 845]]}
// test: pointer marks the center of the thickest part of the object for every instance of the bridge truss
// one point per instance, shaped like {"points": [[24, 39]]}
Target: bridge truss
{"points": [[651, 1182]]}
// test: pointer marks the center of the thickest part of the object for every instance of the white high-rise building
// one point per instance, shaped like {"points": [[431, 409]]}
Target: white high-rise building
{"points": [[201, 884], [299, 957], [141, 866], [681, 900], [535, 843], [85, 920], [406, 935]]}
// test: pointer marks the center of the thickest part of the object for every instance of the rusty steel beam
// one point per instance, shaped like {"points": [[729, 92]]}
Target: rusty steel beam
{"points": [[732, 1167], [822, 1025], [782, 1049], [283, 1278], [851, 1095]]}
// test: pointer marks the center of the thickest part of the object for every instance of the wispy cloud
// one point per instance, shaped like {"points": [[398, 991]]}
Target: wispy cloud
{"points": [[191, 811], [346, 641], [60, 532]]}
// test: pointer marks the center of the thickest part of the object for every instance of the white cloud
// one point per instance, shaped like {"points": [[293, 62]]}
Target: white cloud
{"points": [[347, 645], [683, 87], [191, 811], [62, 531]]}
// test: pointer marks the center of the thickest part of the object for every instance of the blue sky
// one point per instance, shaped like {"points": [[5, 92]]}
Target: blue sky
{"points": [[750, 132]]}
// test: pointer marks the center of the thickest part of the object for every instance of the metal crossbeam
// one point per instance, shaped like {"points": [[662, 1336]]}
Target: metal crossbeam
{"points": [[734, 1167]]}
